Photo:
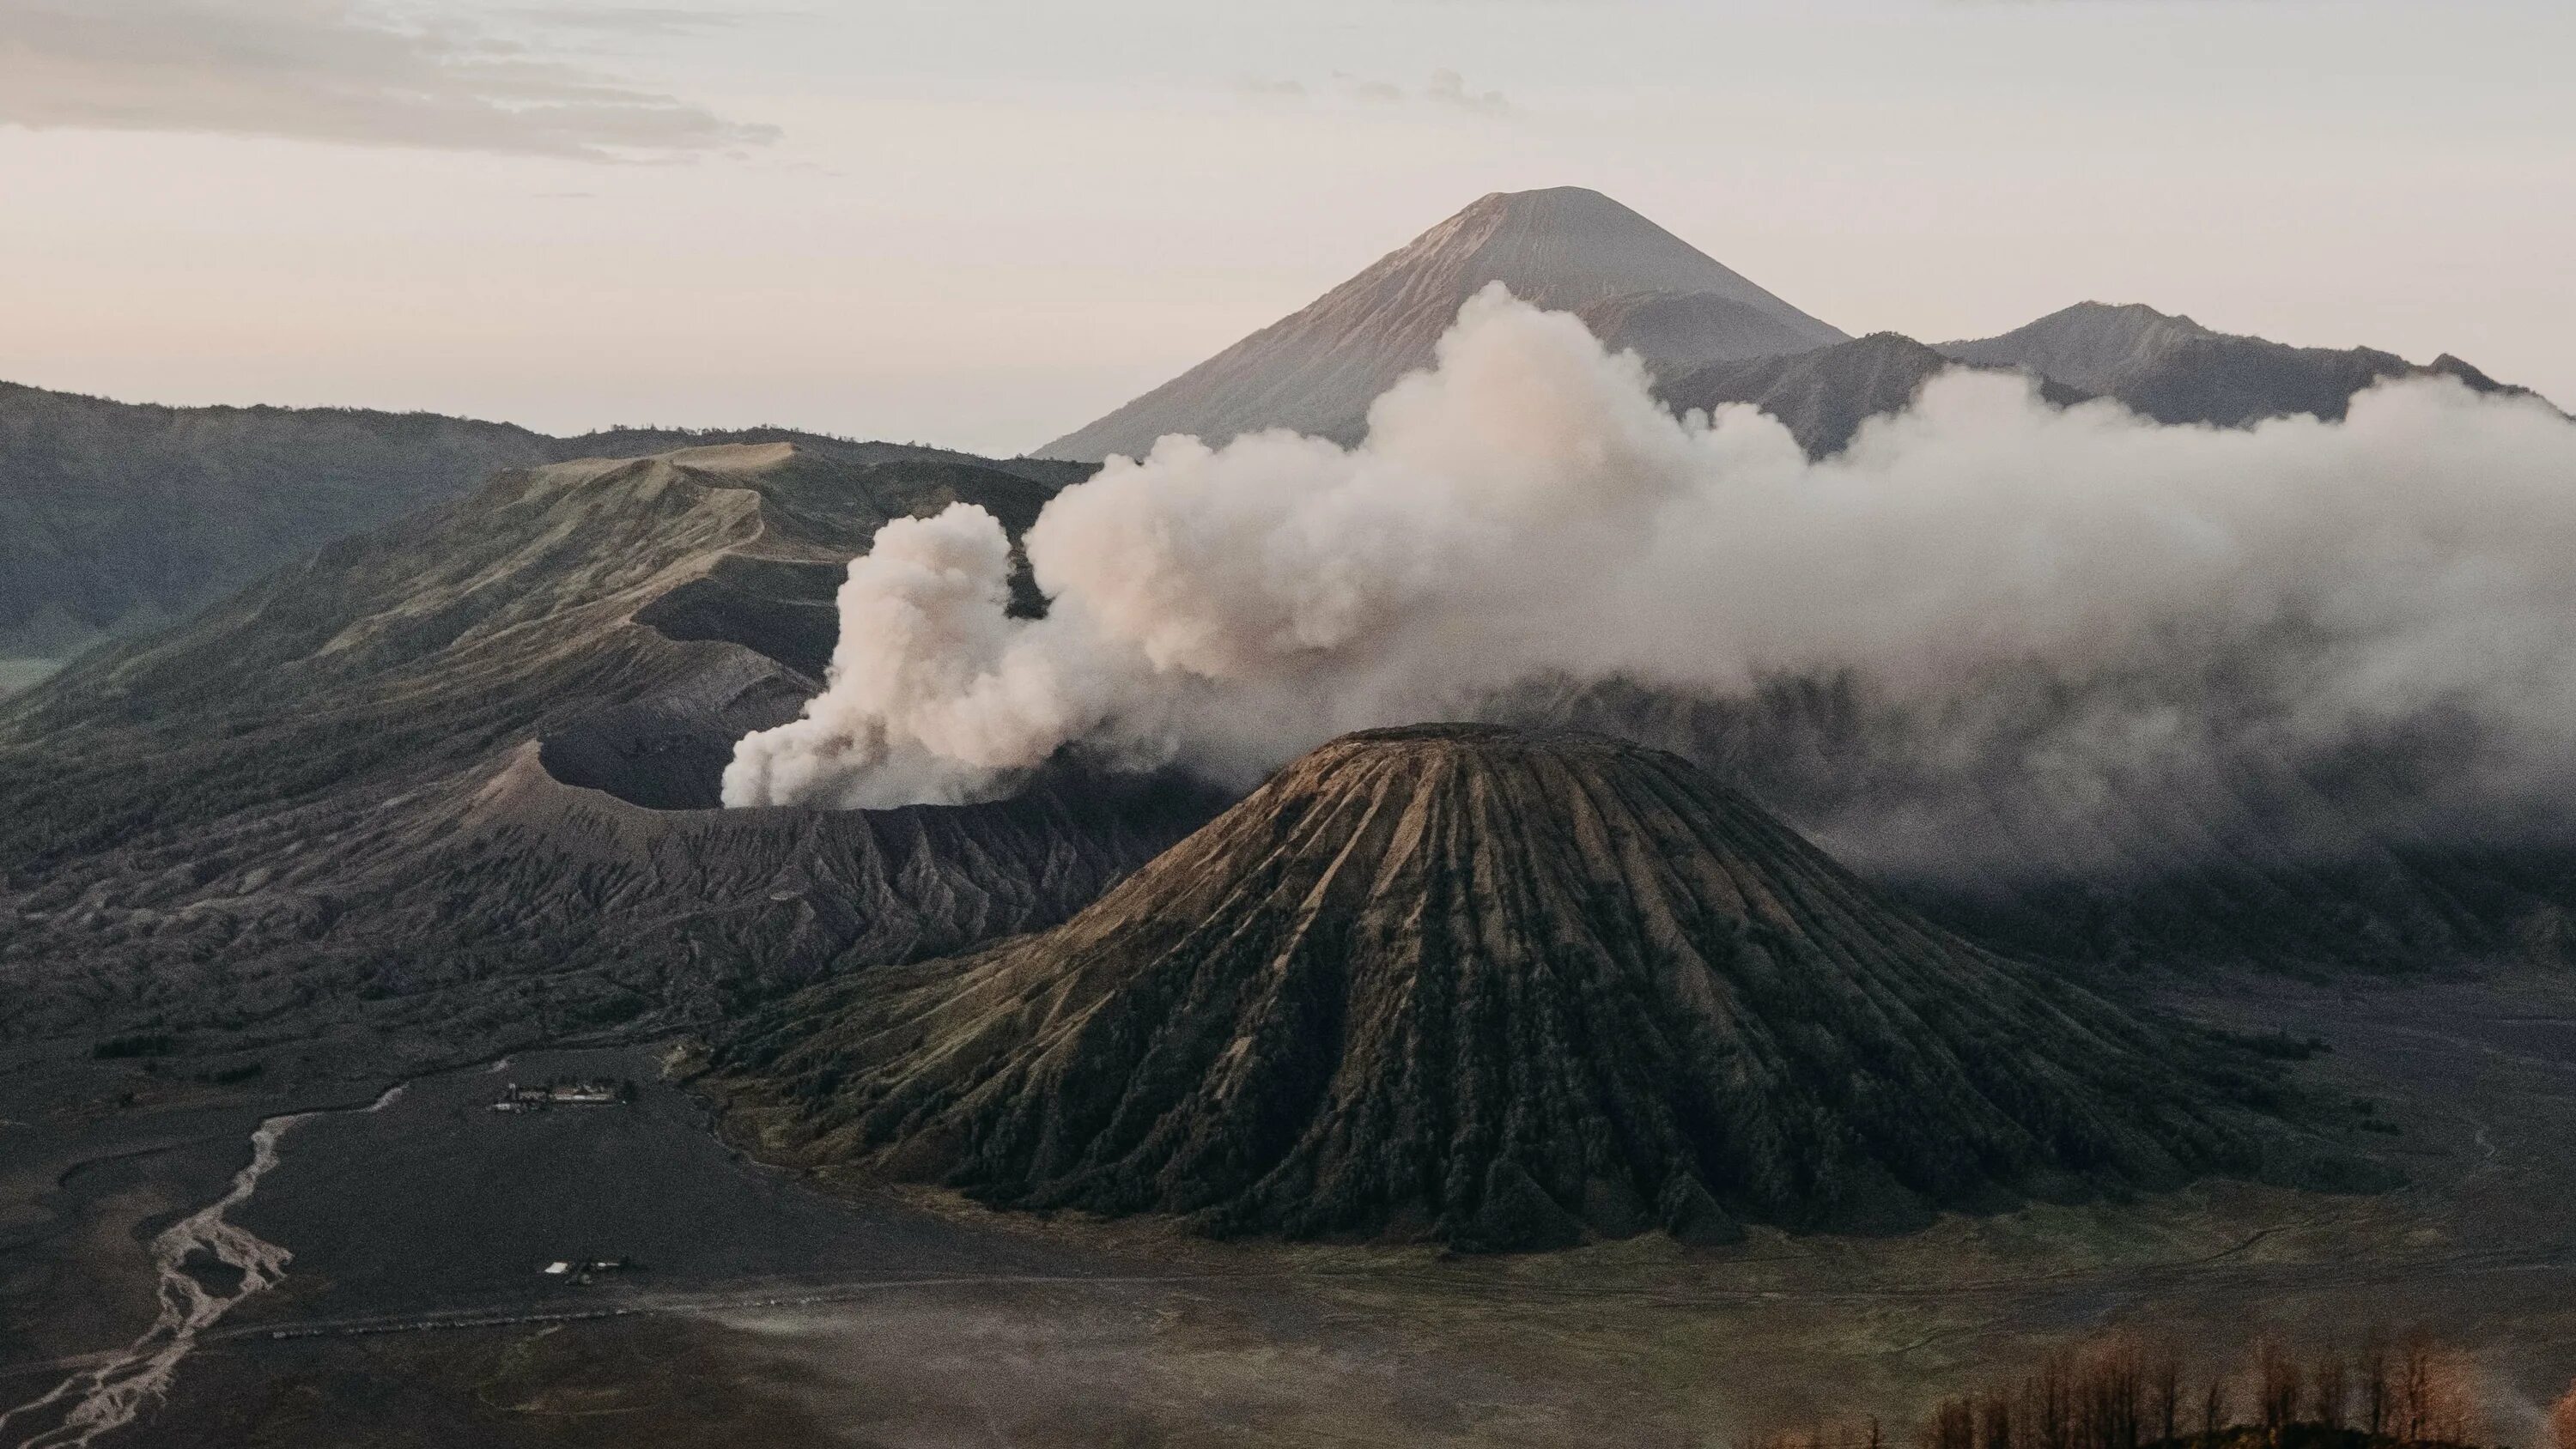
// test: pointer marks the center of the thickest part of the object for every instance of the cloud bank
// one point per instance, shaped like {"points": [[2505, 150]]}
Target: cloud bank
{"points": [[1445, 89], [336, 70], [2069, 595]]}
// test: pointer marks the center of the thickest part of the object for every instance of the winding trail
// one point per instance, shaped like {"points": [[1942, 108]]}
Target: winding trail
{"points": [[109, 1396]]}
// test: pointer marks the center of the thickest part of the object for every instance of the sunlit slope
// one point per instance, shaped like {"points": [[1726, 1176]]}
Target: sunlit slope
{"points": [[121, 517]]}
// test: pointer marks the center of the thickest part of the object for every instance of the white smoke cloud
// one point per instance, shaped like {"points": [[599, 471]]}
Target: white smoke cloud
{"points": [[1526, 512]]}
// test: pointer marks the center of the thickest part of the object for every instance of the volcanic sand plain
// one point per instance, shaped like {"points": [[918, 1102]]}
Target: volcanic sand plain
{"points": [[765, 1309]]}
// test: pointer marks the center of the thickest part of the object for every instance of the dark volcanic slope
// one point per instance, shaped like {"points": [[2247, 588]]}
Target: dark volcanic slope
{"points": [[447, 782], [2174, 370], [123, 514], [1498, 989], [1825, 395], [1637, 285]]}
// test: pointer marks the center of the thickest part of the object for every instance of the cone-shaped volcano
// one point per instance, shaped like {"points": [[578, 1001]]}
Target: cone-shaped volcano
{"points": [[1498, 989], [1637, 286]]}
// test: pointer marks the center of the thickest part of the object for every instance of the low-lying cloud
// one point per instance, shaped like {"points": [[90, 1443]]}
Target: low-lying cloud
{"points": [[336, 70], [2059, 598]]}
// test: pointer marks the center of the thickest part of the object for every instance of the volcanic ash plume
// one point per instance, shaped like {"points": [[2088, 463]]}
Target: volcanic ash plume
{"points": [[1525, 514]]}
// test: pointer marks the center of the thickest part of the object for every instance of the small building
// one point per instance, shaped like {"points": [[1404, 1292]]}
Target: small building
{"points": [[564, 1092], [582, 1272]]}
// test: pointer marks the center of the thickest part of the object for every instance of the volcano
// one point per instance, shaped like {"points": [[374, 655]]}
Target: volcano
{"points": [[453, 785], [1497, 989], [1638, 287]]}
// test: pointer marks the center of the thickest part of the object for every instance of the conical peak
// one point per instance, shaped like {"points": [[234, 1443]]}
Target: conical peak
{"points": [[1538, 791], [1558, 203], [1566, 248], [1501, 989], [1470, 741]]}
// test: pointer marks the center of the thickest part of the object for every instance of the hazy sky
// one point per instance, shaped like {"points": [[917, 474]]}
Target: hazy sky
{"points": [[982, 222]]}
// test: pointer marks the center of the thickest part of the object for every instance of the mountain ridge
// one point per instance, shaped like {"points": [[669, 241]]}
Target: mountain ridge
{"points": [[2172, 369], [1824, 396], [122, 517]]}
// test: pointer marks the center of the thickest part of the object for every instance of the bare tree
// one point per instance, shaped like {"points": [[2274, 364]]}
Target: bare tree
{"points": [[2164, 1394], [2215, 1411], [2414, 1416], [2436, 1399], [2276, 1379], [1953, 1426], [1995, 1421], [2451, 1404], [2053, 1414], [2111, 1394], [2377, 1392], [2329, 1390]]}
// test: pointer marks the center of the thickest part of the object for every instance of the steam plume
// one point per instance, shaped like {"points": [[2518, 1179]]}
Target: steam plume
{"points": [[2082, 590]]}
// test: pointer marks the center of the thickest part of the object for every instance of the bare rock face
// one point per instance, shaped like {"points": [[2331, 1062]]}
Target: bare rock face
{"points": [[1502, 990], [1638, 286]]}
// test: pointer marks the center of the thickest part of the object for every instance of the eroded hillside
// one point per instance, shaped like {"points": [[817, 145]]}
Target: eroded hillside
{"points": [[446, 782], [1501, 989]]}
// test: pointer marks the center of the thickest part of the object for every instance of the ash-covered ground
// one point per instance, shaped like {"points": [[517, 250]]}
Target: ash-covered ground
{"points": [[759, 1308]]}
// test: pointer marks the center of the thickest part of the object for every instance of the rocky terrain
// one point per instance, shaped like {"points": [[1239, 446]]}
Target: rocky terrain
{"points": [[1568, 249], [1501, 990], [116, 518], [445, 785]]}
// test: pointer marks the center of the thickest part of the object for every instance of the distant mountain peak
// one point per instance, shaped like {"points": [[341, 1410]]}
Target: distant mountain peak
{"points": [[1566, 246], [1556, 200], [2091, 346], [1823, 397], [1552, 195], [1635, 284], [2174, 370], [2132, 314]]}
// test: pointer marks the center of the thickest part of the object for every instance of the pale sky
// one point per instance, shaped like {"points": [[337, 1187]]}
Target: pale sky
{"points": [[983, 222]]}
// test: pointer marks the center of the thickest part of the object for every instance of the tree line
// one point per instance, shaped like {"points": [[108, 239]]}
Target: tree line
{"points": [[2388, 1392]]}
